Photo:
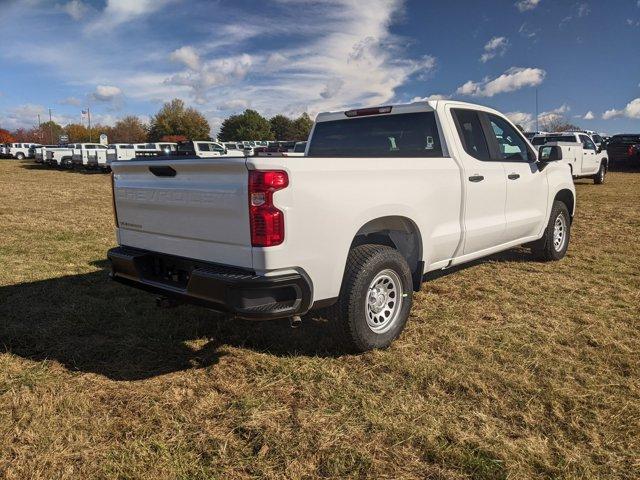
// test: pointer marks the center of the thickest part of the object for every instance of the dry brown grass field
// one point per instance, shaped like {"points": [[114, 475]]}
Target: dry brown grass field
{"points": [[508, 368]]}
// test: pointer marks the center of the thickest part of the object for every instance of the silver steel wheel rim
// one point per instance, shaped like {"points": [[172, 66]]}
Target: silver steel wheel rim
{"points": [[384, 301], [559, 233]]}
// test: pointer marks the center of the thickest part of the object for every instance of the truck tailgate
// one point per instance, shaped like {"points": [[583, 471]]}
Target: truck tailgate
{"points": [[192, 208]]}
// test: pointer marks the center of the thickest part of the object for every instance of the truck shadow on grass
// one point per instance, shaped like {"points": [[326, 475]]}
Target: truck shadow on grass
{"points": [[90, 324], [28, 165]]}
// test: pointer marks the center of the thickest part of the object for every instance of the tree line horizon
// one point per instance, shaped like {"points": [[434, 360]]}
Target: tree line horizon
{"points": [[174, 122]]}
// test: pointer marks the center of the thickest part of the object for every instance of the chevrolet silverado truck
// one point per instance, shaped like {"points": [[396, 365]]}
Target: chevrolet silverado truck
{"points": [[580, 152], [383, 196]]}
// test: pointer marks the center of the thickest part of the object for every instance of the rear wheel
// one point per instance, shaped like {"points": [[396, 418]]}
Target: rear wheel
{"points": [[375, 298], [20, 156], [598, 178], [554, 243]]}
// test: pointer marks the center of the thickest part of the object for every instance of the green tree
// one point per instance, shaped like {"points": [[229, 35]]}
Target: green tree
{"points": [[49, 132], [301, 128], [129, 129], [249, 125], [281, 127], [175, 119]]}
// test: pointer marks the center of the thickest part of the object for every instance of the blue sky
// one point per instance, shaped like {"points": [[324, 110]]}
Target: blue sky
{"points": [[288, 56]]}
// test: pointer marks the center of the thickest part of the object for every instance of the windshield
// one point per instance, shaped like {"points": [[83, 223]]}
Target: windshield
{"points": [[401, 135]]}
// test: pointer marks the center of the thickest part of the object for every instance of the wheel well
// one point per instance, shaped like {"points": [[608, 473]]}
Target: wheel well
{"points": [[566, 196], [396, 232]]}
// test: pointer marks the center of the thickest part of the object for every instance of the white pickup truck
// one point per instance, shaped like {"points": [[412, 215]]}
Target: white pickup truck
{"points": [[580, 152], [60, 156], [21, 150], [89, 155], [384, 195]]}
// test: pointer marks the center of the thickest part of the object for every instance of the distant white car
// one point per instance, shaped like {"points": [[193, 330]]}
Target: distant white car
{"points": [[20, 151]]}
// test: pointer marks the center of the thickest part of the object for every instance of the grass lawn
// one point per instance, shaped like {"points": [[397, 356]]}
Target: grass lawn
{"points": [[508, 368]]}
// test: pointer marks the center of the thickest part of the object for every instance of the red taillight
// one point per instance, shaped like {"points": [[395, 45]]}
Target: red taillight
{"points": [[267, 222], [113, 200], [630, 151]]}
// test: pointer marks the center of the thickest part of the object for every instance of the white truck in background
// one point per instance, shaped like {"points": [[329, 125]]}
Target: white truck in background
{"points": [[580, 152], [89, 155], [120, 152], [60, 156], [383, 196], [40, 152], [20, 151]]}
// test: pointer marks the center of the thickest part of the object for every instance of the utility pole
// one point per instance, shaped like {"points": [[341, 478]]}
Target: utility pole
{"points": [[537, 128], [50, 128], [89, 116], [39, 129]]}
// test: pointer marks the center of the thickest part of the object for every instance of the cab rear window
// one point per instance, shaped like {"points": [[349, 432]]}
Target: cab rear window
{"points": [[400, 135]]}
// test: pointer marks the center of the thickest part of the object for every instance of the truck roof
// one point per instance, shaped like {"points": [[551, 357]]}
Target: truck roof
{"points": [[399, 108]]}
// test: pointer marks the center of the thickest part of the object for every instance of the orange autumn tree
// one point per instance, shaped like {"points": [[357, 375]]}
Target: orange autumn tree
{"points": [[6, 137]]}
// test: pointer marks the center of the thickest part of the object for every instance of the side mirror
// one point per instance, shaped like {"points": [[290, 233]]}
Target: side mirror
{"points": [[549, 153], [599, 149]]}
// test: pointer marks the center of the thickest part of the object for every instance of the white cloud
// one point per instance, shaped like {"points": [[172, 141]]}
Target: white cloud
{"points": [[497, 46], [435, 96], [186, 55], [521, 118], [71, 101], [524, 5], [526, 32], [631, 110], [235, 104], [513, 79], [118, 12], [106, 93], [552, 116], [214, 73], [583, 10], [589, 115], [76, 9]]}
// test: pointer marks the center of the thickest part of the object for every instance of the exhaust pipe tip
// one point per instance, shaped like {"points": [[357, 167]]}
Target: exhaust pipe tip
{"points": [[295, 321]]}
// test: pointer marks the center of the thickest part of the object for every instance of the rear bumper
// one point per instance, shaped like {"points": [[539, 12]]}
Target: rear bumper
{"points": [[237, 291]]}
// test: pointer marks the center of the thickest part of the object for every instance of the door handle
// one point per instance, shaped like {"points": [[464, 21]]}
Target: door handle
{"points": [[513, 176], [476, 178]]}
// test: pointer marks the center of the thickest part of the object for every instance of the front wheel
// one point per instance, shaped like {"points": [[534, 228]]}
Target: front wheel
{"points": [[375, 298], [554, 243], [20, 156], [598, 178]]}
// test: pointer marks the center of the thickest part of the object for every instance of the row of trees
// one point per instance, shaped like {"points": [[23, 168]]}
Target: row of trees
{"points": [[174, 122]]}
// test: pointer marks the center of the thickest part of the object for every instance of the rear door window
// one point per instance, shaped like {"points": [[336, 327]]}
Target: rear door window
{"points": [[401, 135], [471, 133]]}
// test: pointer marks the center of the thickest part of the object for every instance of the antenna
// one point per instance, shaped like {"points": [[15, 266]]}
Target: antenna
{"points": [[537, 127]]}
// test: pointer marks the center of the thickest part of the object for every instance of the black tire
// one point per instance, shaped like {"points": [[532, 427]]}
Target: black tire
{"points": [[598, 178], [365, 264], [20, 156], [547, 248]]}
